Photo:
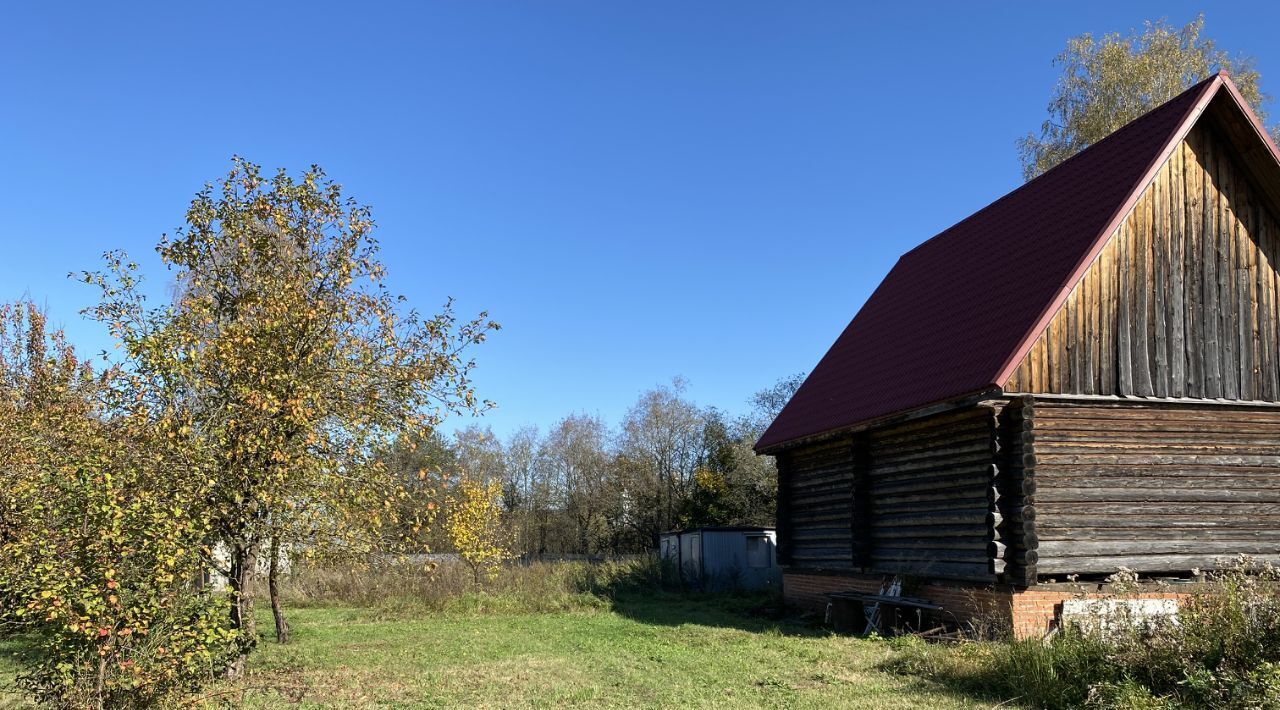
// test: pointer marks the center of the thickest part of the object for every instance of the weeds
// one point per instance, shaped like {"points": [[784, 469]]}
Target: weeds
{"points": [[1221, 651]]}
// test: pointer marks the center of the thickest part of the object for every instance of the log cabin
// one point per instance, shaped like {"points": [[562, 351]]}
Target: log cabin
{"points": [[1083, 376]]}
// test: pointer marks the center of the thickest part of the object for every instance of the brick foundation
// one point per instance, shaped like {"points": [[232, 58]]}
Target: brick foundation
{"points": [[995, 609], [1036, 611]]}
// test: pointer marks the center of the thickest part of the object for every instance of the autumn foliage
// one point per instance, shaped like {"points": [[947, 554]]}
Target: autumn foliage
{"points": [[97, 552], [283, 364], [244, 416], [476, 528]]}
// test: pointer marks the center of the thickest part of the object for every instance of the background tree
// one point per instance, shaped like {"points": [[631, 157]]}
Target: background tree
{"points": [[734, 486], [286, 365], [525, 494], [661, 445], [478, 453], [1109, 81], [587, 488], [575, 455], [767, 404], [475, 525]]}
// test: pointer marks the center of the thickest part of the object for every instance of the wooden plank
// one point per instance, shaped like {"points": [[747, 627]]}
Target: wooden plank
{"points": [[1060, 524], [1142, 345], [1124, 322], [1251, 335], [1268, 315], [1176, 259], [1172, 411], [1224, 510], [1134, 538], [1159, 326], [1106, 323], [1155, 545], [1094, 352], [1193, 183], [1226, 277], [1262, 317], [1146, 563], [1209, 299]]}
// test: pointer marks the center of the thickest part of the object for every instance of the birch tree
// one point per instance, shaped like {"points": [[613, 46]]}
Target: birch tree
{"points": [[1108, 81]]}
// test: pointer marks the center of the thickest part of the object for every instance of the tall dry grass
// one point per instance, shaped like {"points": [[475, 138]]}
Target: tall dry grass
{"points": [[404, 587]]}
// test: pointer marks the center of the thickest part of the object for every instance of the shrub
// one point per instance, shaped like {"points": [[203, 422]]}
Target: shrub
{"points": [[1222, 651], [476, 529], [101, 575], [97, 555]]}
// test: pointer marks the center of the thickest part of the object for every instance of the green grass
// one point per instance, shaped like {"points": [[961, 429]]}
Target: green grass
{"points": [[655, 651]]}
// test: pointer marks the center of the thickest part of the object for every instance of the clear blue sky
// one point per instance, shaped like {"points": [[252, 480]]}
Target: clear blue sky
{"points": [[636, 190]]}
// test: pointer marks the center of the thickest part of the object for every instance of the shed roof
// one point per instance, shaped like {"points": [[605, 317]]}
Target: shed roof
{"points": [[720, 528], [957, 313]]}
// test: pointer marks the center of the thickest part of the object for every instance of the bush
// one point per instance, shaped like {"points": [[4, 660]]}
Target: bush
{"points": [[98, 557], [101, 576]]}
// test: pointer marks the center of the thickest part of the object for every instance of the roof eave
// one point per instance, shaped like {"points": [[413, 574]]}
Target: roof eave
{"points": [[924, 410]]}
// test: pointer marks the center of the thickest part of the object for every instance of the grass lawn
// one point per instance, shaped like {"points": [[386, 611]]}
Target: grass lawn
{"points": [[642, 652]]}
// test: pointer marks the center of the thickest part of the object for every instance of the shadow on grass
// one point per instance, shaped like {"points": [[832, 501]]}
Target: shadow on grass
{"points": [[18, 653], [755, 612], [646, 593], [962, 672]]}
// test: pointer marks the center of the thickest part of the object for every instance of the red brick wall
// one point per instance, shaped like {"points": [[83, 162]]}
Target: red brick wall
{"points": [[1035, 611], [1028, 613], [808, 591], [970, 603]]}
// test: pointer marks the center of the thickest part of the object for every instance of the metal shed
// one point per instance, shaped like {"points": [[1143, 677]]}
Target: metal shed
{"points": [[723, 557]]}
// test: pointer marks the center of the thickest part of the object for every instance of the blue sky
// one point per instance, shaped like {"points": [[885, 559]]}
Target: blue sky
{"points": [[636, 190]]}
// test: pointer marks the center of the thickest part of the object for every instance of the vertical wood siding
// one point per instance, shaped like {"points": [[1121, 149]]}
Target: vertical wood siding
{"points": [[1182, 300], [1159, 487]]}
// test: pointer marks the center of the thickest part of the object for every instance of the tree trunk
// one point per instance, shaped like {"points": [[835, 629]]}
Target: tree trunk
{"points": [[273, 587], [244, 562], [101, 682]]}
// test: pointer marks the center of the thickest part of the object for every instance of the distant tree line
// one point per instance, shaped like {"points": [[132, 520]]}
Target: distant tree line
{"points": [[584, 487]]}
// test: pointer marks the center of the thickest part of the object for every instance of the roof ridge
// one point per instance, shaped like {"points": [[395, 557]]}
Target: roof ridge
{"points": [[1194, 87], [1204, 92], [950, 320]]}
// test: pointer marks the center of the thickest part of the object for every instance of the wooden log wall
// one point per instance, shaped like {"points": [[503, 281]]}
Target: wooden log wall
{"points": [[919, 497], [1015, 542], [815, 507], [1156, 487], [929, 486], [1182, 302]]}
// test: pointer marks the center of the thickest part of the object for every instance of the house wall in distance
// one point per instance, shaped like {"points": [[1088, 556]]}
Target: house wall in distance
{"points": [[725, 564], [928, 496], [815, 489]]}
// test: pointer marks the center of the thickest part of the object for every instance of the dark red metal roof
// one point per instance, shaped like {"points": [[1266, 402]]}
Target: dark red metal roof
{"points": [[956, 314]]}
